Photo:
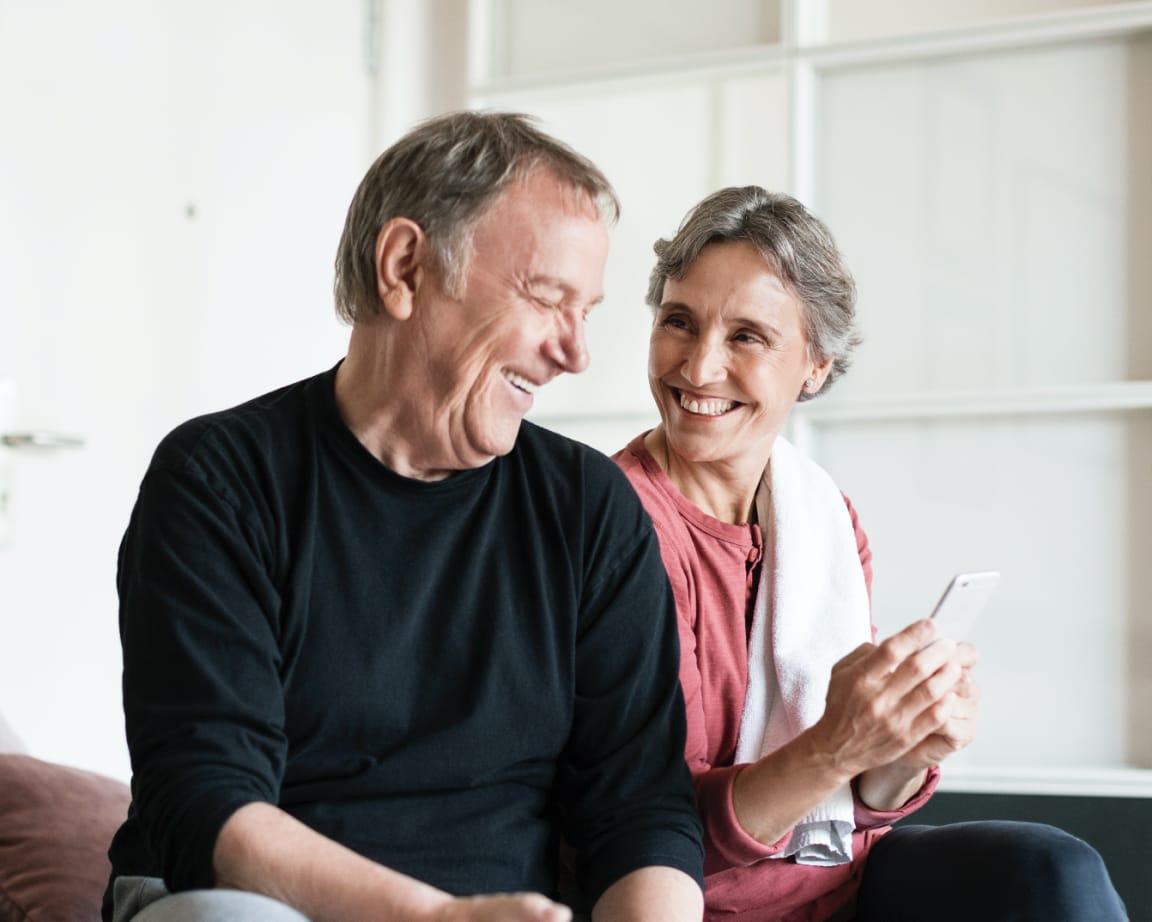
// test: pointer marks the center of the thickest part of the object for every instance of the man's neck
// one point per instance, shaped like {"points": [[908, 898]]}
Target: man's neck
{"points": [[374, 396]]}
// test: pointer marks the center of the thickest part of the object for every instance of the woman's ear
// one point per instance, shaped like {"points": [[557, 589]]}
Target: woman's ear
{"points": [[817, 375], [401, 250]]}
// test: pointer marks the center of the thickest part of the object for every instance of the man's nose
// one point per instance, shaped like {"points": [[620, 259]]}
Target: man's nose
{"points": [[568, 346]]}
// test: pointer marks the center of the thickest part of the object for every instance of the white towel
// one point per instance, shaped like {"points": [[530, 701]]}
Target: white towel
{"points": [[812, 612]]}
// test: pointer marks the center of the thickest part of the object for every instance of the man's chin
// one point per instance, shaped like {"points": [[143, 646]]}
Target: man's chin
{"points": [[495, 444]]}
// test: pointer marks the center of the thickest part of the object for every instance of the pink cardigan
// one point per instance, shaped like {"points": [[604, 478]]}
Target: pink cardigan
{"points": [[709, 565]]}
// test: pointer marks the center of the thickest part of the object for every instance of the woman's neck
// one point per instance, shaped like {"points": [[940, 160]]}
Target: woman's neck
{"points": [[725, 490]]}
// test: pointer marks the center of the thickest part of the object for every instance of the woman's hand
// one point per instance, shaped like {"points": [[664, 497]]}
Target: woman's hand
{"points": [[898, 702], [892, 710], [960, 728], [888, 787]]}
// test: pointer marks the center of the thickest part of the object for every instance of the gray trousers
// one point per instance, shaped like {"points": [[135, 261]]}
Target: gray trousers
{"points": [[145, 899]]}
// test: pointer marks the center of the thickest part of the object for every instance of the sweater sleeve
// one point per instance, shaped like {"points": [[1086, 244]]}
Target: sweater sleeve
{"points": [[202, 698], [625, 793], [726, 843]]}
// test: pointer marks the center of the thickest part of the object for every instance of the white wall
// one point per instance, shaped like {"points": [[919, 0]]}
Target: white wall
{"points": [[173, 179]]}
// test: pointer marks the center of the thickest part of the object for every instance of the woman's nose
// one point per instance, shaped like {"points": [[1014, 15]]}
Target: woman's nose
{"points": [[704, 363]]}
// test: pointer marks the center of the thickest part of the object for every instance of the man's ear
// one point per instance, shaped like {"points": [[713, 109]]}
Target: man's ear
{"points": [[401, 251]]}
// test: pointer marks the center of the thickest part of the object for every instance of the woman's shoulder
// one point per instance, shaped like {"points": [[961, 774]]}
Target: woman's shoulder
{"points": [[646, 478]]}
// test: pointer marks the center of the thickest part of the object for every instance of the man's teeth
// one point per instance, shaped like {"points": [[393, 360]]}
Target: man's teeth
{"points": [[523, 383], [706, 407]]}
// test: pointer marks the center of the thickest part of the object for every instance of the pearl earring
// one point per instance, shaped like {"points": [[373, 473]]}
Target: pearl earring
{"points": [[811, 384]]}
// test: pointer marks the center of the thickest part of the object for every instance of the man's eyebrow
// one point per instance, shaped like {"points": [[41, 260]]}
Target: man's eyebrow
{"points": [[547, 281], [550, 281]]}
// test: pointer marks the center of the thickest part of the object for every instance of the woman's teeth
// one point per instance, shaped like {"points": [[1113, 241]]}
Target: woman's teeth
{"points": [[706, 407]]}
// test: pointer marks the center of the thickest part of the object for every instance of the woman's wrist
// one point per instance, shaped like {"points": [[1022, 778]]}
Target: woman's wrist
{"points": [[889, 787], [771, 794]]}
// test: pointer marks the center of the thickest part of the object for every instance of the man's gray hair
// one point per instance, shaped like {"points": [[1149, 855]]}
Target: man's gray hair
{"points": [[443, 175], [798, 248]]}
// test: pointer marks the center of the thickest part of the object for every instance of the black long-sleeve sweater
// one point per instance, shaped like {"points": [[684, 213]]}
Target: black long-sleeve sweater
{"points": [[441, 676]]}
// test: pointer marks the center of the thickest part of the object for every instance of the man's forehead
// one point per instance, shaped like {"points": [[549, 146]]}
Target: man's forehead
{"points": [[530, 211], [540, 185]]}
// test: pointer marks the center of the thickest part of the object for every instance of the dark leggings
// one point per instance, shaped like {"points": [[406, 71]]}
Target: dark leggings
{"points": [[986, 872]]}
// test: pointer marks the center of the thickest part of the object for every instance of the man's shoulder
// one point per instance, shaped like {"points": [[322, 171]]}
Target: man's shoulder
{"points": [[558, 456], [585, 488], [260, 429]]}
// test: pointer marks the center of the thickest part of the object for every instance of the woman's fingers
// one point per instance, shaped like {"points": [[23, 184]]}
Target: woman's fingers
{"points": [[968, 655], [896, 649], [886, 700]]}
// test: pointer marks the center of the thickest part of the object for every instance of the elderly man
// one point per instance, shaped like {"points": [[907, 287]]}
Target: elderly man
{"points": [[387, 646]]}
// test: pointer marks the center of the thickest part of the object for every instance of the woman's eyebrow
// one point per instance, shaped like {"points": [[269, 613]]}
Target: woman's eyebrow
{"points": [[755, 323]]}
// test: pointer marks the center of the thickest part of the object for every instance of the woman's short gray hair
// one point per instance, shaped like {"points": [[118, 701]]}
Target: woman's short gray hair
{"points": [[443, 175], [797, 246]]}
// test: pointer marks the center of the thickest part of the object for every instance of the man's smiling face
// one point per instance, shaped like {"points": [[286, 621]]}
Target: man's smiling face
{"points": [[535, 269]]}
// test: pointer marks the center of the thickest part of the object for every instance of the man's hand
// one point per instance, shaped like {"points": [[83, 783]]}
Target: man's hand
{"points": [[261, 849], [504, 907]]}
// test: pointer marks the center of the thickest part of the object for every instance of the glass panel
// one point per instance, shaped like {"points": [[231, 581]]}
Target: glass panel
{"points": [[851, 19], [541, 36], [1046, 502], [1140, 366], [983, 204], [754, 132], [1139, 209]]}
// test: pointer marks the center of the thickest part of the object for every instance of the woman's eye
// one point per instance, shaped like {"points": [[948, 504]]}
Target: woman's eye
{"points": [[746, 338]]}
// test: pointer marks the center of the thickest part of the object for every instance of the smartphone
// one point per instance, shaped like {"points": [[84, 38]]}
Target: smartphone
{"points": [[962, 602]]}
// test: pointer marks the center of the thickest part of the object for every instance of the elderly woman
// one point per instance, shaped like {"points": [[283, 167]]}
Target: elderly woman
{"points": [[805, 739]]}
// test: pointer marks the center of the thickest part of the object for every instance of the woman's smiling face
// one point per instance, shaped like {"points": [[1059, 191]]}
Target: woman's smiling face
{"points": [[728, 356]]}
